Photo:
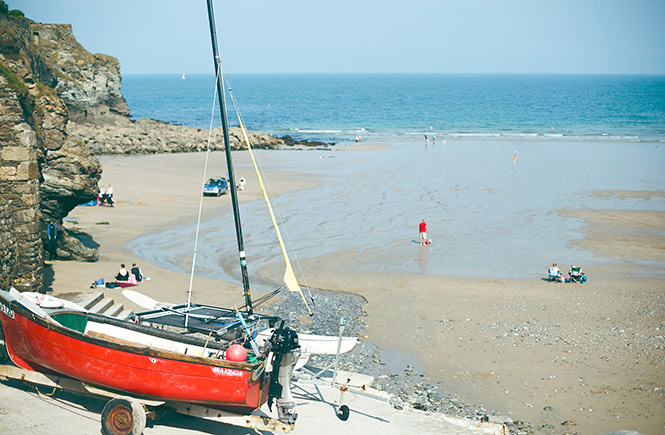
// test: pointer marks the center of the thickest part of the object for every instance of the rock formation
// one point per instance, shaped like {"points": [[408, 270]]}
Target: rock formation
{"points": [[147, 136], [44, 173], [89, 84]]}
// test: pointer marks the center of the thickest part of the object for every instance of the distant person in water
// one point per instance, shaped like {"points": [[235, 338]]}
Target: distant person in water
{"points": [[136, 271], [423, 232], [426, 139], [123, 274]]}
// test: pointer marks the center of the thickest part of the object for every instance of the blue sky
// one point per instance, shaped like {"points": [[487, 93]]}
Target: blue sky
{"points": [[422, 36]]}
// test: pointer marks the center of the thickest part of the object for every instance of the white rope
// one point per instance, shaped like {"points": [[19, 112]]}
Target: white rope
{"points": [[270, 194], [198, 220]]}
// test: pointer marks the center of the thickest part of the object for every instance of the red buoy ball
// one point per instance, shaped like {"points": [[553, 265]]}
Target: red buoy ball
{"points": [[236, 353]]}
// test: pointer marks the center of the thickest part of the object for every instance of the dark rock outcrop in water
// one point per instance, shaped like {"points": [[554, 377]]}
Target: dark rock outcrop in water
{"points": [[147, 136], [44, 172]]}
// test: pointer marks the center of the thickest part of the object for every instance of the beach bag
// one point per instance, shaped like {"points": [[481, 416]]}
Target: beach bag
{"points": [[99, 282], [110, 285]]}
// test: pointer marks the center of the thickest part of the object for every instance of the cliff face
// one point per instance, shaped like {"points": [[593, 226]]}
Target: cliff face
{"points": [[89, 84], [44, 173]]}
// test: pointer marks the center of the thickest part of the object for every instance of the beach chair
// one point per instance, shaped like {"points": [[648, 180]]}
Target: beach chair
{"points": [[576, 274]]}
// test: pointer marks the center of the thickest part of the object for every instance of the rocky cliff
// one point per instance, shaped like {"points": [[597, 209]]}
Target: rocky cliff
{"points": [[89, 84], [44, 172]]}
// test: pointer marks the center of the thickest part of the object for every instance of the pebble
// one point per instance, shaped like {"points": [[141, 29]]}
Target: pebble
{"points": [[500, 419], [367, 359]]}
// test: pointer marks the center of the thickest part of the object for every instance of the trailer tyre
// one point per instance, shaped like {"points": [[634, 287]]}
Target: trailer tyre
{"points": [[123, 416], [343, 413], [4, 356]]}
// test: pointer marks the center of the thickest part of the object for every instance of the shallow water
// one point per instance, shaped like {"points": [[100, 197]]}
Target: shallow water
{"points": [[487, 217]]}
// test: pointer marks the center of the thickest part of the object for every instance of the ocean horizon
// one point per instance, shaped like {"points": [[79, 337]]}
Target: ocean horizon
{"points": [[340, 107]]}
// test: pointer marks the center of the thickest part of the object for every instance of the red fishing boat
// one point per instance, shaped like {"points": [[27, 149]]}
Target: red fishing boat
{"points": [[128, 357], [143, 361]]}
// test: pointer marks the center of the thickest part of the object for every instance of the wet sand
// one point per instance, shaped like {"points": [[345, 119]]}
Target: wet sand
{"points": [[540, 352]]}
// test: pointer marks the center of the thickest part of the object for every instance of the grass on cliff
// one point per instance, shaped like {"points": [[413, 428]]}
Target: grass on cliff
{"points": [[14, 82], [27, 101], [4, 10]]}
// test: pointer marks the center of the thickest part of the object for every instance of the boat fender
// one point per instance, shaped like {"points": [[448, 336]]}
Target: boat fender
{"points": [[237, 353]]}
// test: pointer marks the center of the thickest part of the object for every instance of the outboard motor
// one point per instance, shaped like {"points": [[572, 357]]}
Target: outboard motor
{"points": [[286, 350]]}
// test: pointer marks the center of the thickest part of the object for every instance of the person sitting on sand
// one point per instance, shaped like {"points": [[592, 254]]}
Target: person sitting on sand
{"points": [[554, 272], [109, 196], [101, 199], [123, 274], [136, 271]]}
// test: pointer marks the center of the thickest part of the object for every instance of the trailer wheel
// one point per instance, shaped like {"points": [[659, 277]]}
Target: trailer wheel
{"points": [[123, 416], [4, 356], [343, 413]]}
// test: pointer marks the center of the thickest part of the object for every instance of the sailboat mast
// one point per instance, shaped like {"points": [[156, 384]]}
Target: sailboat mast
{"points": [[229, 163]]}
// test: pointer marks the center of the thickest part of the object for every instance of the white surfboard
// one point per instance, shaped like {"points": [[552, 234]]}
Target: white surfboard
{"points": [[143, 301], [316, 344]]}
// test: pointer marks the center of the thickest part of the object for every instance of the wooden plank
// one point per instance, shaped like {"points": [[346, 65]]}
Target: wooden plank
{"points": [[63, 383], [252, 421]]}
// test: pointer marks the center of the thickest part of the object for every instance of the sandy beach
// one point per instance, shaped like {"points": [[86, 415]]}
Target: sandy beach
{"points": [[589, 355]]}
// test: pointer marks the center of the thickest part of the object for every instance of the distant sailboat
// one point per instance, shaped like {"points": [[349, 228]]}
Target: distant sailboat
{"points": [[183, 77]]}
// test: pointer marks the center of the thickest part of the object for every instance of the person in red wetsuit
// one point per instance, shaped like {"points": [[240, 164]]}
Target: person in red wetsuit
{"points": [[423, 233]]}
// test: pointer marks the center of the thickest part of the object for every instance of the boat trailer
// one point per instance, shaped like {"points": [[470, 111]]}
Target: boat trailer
{"points": [[341, 381], [128, 415]]}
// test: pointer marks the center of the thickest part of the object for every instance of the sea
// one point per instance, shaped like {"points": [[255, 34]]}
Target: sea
{"points": [[504, 156], [341, 107]]}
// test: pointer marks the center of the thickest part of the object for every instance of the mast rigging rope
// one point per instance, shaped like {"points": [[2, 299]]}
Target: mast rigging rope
{"points": [[198, 219]]}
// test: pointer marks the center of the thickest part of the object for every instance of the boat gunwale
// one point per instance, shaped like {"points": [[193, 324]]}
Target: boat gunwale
{"points": [[137, 349]]}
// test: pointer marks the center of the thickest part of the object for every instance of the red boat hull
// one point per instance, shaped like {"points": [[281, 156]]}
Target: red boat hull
{"points": [[35, 344]]}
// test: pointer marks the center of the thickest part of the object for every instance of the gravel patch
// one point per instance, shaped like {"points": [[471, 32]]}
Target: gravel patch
{"points": [[394, 372]]}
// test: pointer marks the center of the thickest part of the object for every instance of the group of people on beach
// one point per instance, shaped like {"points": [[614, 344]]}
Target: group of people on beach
{"points": [[134, 275], [575, 274], [105, 197]]}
